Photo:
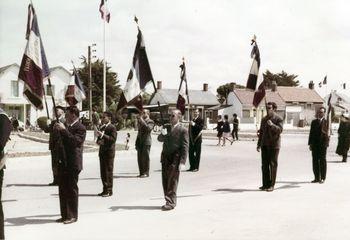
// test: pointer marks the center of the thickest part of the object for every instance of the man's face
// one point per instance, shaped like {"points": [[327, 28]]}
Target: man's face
{"points": [[321, 113], [144, 114], [105, 119], [196, 113], [174, 118], [59, 112], [270, 110]]}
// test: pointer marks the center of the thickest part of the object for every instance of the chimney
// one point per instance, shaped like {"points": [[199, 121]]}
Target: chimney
{"points": [[232, 86], [159, 85], [205, 87], [274, 86], [311, 85]]}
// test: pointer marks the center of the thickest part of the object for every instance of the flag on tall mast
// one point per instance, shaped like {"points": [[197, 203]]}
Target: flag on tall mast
{"points": [[139, 75], [105, 15], [34, 68], [183, 91]]}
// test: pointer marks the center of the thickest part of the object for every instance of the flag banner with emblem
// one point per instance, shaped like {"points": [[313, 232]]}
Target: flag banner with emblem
{"points": [[34, 68], [139, 75], [105, 14], [259, 94], [183, 91], [75, 92], [254, 70]]}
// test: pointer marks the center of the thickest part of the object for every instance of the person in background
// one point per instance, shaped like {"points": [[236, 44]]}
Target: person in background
{"points": [[218, 128], [195, 146], [226, 131], [343, 137], [235, 127]]}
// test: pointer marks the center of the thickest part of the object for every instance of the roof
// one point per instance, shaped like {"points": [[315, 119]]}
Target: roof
{"points": [[245, 96], [299, 94], [2, 69], [59, 67], [197, 97]]}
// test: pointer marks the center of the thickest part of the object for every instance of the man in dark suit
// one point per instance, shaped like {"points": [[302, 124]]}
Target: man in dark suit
{"points": [[235, 127], [53, 138], [107, 135], [173, 157], [143, 142], [269, 142], [73, 137], [195, 147], [343, 137], [318, 143], [5, 131]]}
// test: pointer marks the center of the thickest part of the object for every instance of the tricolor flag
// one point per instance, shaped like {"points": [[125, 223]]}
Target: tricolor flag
{"points": [[183, 91], [254, 70], [139, 75], [75, 92], [105, 14], [34, 68]]}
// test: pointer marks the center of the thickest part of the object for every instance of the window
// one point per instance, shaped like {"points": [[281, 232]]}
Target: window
{"points": [[14, 88], [50, 91], [246, 113]]}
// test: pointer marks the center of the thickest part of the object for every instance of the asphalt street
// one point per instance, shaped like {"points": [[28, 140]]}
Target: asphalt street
{"points": [[221, 201]]}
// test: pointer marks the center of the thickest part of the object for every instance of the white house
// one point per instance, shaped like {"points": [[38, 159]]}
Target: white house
{"points": [[15, 104]]}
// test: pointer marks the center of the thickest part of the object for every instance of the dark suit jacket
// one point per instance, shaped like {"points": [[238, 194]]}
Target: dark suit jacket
{"points": [[270, 136], [235, 124], [53, 138], [175, 145], [319, 133], [107, 142], [196, 129], [5, 131], [144, 134], [73, 138]]}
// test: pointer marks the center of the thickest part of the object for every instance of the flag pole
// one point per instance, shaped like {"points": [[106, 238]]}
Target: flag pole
{"points": [[104, 59], [47, 109], [188, 98]]}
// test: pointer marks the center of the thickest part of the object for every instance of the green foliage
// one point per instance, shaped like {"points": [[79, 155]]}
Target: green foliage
{"points": [[224, 90], [282, 79], [113, 89]]}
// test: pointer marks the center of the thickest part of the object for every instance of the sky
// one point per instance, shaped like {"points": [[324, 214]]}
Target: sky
{"points": [[308, 38]]}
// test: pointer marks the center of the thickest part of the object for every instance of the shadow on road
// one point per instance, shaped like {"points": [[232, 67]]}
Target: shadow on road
{"points": [[182, 196], [27, 185], [9, 200], [116, 208], [28, 220], [340, 161], [238, 190]]}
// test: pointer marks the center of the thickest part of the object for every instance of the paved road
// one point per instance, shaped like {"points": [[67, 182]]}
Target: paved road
{"points": [[221, 201]]}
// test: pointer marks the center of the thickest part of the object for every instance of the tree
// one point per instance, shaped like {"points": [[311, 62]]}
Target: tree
{"points": [[282, 79], [224, 90], [113, 89]]}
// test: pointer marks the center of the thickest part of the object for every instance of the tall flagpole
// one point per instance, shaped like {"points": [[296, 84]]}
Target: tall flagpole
{"points": [[104, 59]]}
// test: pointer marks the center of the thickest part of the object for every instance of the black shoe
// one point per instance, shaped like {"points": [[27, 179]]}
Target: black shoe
{"points": [[144, 176], [195, 170], [263, 188], [69, 221], [189, 170], [53, 184], [167, 207], [315, 181], [270, 189], [102, 193], [60, 220], [107, 194], [321, 181]]}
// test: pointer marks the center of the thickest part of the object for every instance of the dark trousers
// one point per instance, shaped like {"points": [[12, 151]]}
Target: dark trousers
{"points": [[2, 233], [68, 191], [235, 134], [143, 158], [195, 149], [54, 165], [319, 162], [106, 170], [170, 179], [269, 156]]}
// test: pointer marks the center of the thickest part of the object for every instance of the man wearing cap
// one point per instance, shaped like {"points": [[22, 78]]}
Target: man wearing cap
{"points": [[5, 130], [53, 138]]}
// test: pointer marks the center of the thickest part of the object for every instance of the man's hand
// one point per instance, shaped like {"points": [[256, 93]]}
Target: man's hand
{"points": [[60, 126], [269, 122], [310, 147], [99, 133], [193, 123], [48, 122], [258, 149]]}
